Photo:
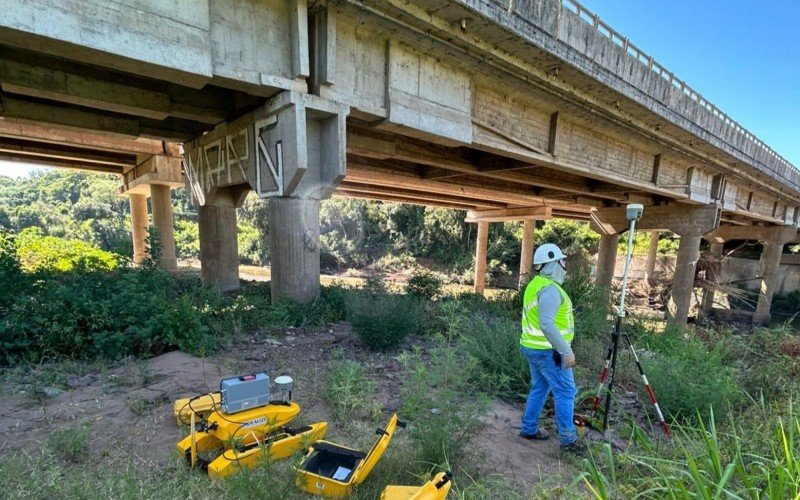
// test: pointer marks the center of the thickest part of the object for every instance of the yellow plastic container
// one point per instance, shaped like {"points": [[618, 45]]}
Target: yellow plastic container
{"points": [[238, 429], [435, 489], [201, 406], [278, 446], [332, 470]]}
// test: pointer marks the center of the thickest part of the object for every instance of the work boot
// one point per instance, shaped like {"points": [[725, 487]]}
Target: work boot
{"points": [[540, 435], [577, 448]]}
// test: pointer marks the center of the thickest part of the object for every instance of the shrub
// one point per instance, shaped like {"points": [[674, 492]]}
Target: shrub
{"points": [[688, 377], [383, 321], [441, 397], [71, 445], [424, 284], [111, 315], [349, 391], [40, 253], [494, 342]]}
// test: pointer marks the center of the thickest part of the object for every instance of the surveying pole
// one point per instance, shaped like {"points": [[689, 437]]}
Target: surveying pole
{"points": [[633, 213]]}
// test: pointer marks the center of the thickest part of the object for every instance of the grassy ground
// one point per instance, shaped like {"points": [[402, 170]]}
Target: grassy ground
{"points": [[360, 355]]}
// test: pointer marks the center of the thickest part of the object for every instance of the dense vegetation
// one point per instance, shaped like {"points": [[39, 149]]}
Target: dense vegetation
{"points": [[68, 294]]}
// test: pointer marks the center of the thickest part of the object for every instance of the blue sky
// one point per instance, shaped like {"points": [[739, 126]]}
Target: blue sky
{"points": [[742, 55]]}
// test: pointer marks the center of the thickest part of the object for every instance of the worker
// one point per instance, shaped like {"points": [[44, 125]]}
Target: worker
{"points": [[548, 327]]}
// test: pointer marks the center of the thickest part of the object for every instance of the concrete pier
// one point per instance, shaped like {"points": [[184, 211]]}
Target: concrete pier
{"points": [[481, 246], [139, 224], [683, 281], [607, 260], [294, 248], [526, 255], [219, 249], [161, 204]]}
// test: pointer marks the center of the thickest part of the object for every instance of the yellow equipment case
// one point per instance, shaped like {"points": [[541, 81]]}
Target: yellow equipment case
{"points": [[332, 470], [242, 429], [435, 489], [277, 446], [202, 406]]}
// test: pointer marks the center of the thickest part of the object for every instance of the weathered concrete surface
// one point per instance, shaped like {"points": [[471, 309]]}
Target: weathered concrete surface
{"points": [[526, 253], [139, 224], [219, 250], [770, 263], [683, 280], [606, 260], [161, 203], [294, 248], [481, 246]]}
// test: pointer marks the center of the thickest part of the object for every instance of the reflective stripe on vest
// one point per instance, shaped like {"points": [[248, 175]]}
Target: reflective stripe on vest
{"points": [[532, 336]]}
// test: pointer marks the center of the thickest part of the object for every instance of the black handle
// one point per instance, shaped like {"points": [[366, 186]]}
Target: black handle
{"points": [[446, 479]]}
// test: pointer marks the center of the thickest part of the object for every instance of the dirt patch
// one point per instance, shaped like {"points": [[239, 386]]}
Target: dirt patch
{"points": [[526, 462], [128, 406]]}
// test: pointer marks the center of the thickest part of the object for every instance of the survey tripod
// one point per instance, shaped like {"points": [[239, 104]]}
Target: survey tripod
{"points": [[633, 213]]}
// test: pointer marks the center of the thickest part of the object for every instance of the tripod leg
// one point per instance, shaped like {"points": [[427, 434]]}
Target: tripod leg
{"points": [[650, 393], [603, 377], [614, 349]]}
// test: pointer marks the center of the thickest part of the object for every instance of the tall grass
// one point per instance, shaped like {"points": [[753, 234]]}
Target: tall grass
{"points": [[755, 459]]}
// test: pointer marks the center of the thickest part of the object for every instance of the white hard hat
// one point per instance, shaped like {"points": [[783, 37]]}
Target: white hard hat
{"points": [[547, 253]]}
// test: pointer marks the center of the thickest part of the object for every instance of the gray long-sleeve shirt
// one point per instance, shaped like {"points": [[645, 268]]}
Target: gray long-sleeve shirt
{"points": [[549, 302]]}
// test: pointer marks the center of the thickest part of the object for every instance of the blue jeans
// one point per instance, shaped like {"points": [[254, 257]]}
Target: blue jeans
{"points": [[546, 376]]}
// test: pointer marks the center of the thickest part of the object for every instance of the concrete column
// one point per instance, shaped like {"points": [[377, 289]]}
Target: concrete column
{"points": [[712, 274], [139, 225], [161, 203], [480, 257], [606, 260], [294, 248], [770, 263], [526, 256], [652, 255], [683, 281], [219, 248]]}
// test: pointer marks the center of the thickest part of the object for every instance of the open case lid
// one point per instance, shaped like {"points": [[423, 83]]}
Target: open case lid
{"points": [[377, 451]]}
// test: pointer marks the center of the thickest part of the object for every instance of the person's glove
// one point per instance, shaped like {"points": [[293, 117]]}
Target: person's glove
{"points": [[569, 361]]}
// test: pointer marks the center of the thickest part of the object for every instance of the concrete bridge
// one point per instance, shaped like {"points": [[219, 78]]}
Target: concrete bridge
{"points": [[512, 109]]}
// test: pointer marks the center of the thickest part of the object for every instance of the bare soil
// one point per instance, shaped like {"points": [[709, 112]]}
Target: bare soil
{"points": [[128, 407]]}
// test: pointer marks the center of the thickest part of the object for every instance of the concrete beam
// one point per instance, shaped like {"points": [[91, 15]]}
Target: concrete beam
{"points": [[293, 145], [775, 234], [680, 219], [509, 214], [158, 169]]}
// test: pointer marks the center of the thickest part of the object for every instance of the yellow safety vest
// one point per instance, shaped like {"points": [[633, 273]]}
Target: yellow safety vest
{"points": [[532, 336]]}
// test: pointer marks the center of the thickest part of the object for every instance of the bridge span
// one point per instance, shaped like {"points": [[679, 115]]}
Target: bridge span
{"points": [[510, 109]]}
